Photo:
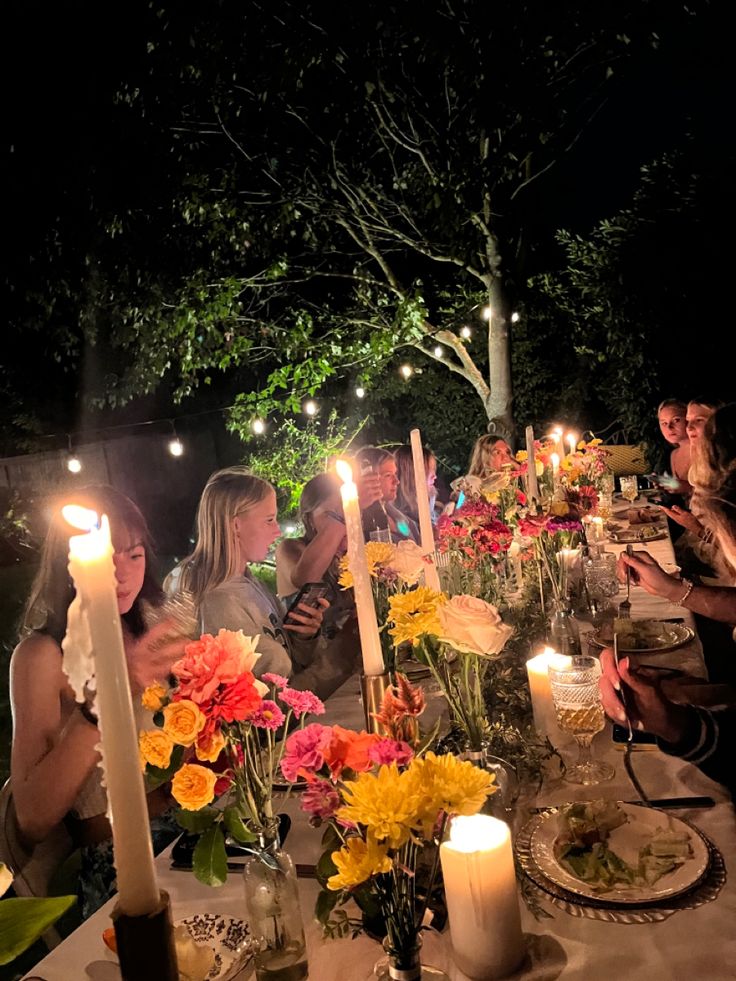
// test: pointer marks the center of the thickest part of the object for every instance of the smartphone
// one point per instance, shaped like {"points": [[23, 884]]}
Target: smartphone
{"points": [[620, 734], [309, 594], [664, 480]]}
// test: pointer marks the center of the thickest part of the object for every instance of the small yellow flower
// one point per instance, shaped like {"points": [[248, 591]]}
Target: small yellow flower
{"points": [[377, 555], [522, 456], [183, 721], [155, 747], [414, 613], [444, 783], [193, 787], [152, 698], [208, 748], [357, 861], [382, 803]]}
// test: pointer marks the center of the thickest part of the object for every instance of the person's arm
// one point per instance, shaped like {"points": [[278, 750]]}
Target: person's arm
{"points": [[308, 563], [715, 602], [687, 520], [51, 760]]}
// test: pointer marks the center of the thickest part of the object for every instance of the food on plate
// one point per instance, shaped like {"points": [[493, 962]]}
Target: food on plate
{"points": [[599, 844], [643, 516], [642, 635]]}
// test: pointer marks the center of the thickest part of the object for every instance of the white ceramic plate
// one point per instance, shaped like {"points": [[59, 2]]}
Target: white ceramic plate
{"points": [[673, 635], [625, 842], [637, 534]]}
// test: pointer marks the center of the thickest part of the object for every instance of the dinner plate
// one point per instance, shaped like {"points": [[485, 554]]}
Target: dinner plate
{"points": [[674, 635], [626, 840], [650, 532]]}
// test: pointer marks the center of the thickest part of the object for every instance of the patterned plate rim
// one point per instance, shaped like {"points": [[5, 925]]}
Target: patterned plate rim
{"points": [[689, 634]]}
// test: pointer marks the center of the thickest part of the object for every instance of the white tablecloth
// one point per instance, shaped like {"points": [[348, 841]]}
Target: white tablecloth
{"points": [[691, 945]]}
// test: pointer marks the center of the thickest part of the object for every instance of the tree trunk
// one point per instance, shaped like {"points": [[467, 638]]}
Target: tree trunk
{"points": [[500, 402]]}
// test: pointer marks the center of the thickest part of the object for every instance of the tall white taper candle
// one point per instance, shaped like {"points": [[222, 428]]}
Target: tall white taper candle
{"points": [[370, 642], [431, 577], [532, 484]]}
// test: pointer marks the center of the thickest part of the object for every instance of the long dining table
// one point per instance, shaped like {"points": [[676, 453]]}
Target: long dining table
{"points": [[563, 940]]}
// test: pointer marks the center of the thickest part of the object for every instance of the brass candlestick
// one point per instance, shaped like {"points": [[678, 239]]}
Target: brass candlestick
{"points": [[372, 689], [146, 944]]}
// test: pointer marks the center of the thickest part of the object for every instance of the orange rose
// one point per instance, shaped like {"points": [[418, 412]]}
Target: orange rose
{"points": [[152, 698], [209, 746], [349, 750], [193, 787], [183, 722], [155, 747]]}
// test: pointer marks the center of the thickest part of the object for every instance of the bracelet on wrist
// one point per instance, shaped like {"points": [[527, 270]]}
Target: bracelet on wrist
{"points": [[88, 714], [689, 586]]}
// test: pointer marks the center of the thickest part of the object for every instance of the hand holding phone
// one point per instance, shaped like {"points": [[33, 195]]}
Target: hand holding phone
{"points": [[309, 595]]}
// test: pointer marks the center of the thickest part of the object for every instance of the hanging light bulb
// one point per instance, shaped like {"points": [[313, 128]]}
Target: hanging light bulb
{"points": [[259, 427], [466, 333], [73, 463], [360, 392], [176, 447], [487, 313], [406, 370], [439, 351], [310, 407], [515, 318]]}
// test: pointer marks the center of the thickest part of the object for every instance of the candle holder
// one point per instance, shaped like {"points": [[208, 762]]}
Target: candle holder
{"points": [[146, 943], [372, 689]]}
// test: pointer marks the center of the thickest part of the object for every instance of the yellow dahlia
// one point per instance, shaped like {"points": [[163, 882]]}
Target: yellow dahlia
{"points": [[444, 783], [383, 802], [357, 861], [414, 613]]}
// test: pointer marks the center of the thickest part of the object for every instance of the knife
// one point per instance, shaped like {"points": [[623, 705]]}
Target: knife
{"points": [[661, 802]]}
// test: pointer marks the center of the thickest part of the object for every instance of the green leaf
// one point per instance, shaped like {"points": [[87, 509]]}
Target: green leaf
{"points": [[155, 776], [325, 867], [237, 827], [209, 861], [23, 920], [197, 821], [326, 902]]}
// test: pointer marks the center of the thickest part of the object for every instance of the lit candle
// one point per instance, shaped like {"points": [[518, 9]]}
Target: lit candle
{"points": [[555, 461], [533, 486], [365, 606], [595, 532], [514, 554], [559, 445], [573, 441], [431, 578], [543, 708], [480, 891], [94, 637]]}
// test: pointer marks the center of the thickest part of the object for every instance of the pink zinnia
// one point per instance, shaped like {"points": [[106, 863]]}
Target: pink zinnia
{"points": [[302, 702], [267, 716], [305, 750], [321, 800], [391, 751], [275, 679]]}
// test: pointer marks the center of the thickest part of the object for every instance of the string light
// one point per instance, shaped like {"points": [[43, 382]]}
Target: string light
{"points": [[515, 318], [310, 407], [406, 370], [360, 392], [176, 447], [259, 427], [439, 351], [487, 313], [73, 463], [466, 333]]}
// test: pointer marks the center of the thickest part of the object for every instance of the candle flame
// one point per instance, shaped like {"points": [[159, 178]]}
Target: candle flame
{"points": [[344, 471], [83, 518], [555, 458], [478, 832]]}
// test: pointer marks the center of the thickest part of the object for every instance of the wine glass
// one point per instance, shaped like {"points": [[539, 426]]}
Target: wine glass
{"points": [[630, 488], [574, 685]]}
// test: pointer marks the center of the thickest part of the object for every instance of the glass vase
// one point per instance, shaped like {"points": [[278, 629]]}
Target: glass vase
{"points": [[274, 914], [564, 632], [406, 965], [502, 802]]}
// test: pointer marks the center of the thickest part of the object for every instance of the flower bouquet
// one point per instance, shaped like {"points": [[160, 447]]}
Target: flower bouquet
{"points": [[383, 805], [217, 730], [475, 541]]}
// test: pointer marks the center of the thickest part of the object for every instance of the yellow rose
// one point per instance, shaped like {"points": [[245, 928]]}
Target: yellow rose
{"points": [[208, 748], [152, 698], [472, 626], [193, 787], [183, 722], [155, 747]]}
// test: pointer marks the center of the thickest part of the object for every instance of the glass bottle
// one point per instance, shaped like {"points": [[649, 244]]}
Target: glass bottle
{"points": [[564, 632], [274, 914]]}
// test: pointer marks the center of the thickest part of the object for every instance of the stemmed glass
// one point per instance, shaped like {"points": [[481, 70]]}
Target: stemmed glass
{"points": [[574, 685], [630, 488]]}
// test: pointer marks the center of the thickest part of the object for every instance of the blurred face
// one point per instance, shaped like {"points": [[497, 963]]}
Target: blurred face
{"points": [[257, 529], [389, 479], [697, 416], [673, 425], [431, 474], [320, 519], [129, 560], [498, 455]]}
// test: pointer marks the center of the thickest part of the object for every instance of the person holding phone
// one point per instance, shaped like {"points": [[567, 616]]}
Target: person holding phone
{"points": [[236, 525], [386, 517]]}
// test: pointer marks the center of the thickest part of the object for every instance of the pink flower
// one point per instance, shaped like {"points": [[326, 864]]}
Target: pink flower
{"points": [[213, 661], [321, 800], [275, 679], [390, 751], [302, 702], [267, 716], [305, 750]]}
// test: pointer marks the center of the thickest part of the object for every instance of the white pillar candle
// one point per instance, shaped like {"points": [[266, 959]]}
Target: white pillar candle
{"points": [[533, 486], [94, 623], [482, 904], [543, 708], [431, 577], [365, 606], [514, 554]]}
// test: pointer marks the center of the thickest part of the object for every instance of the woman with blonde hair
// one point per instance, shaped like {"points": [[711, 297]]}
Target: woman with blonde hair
{"points": [[490, 453], [236, 525]]}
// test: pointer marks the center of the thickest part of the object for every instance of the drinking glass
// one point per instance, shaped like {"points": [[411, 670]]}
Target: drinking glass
{"points": [[579, 711], [600, 578], [630, 488]]}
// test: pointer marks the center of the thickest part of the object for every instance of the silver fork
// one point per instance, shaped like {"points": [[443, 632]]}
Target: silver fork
{"points": [[628, 764], [624, 607]]}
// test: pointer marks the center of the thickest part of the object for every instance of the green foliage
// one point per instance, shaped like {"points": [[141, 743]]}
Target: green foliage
{"points": [[292, 454], [196, 821], [209, 861], [23, 920]]}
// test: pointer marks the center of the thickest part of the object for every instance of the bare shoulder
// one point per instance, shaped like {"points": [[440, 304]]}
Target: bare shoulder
{"points": [[36, 651], [290, 549]]}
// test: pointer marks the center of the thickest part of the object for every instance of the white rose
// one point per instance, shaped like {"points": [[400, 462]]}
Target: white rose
{"points": [[473, 626], [408, 562]]}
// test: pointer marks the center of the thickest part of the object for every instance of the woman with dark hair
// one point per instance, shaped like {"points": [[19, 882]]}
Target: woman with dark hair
{"points": [[54, 761], [383, 517]]}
